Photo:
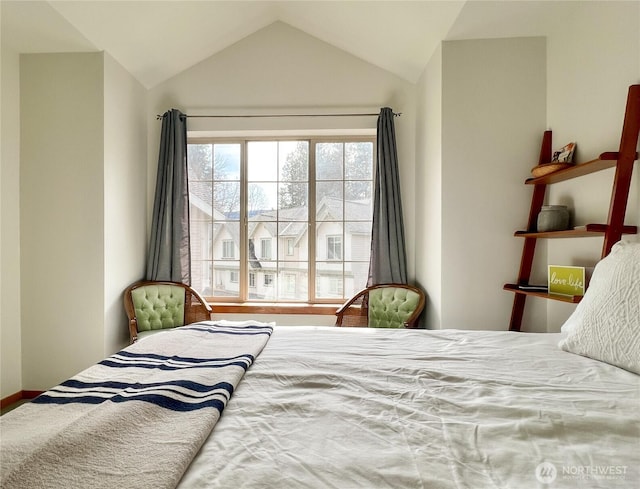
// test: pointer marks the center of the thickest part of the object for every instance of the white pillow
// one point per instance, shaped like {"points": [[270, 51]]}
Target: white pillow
{"points": [[606, 324]]}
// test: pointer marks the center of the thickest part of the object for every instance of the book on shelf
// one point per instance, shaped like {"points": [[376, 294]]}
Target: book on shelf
{"points": [[533, 288]]}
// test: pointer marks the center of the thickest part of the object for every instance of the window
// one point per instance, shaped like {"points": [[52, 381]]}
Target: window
{"points": [[334, 247], [268, 280], [228, 249], [265, 248], [281, 219]]}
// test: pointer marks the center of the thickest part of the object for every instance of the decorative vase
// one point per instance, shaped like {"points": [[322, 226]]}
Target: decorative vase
{"points": [[553, 218]]}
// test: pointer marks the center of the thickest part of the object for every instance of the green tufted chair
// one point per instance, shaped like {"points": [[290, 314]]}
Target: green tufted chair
{"points": [[383, 306], [156, 306]]}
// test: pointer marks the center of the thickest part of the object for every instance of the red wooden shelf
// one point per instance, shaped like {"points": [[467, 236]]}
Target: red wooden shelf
{"points": [[606, 160], [573, 299], [588, 231]]}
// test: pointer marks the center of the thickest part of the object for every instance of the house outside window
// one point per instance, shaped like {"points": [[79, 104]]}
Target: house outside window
{"points": [[285, 219]]}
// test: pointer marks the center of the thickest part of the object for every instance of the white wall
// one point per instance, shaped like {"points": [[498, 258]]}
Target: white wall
{"points": [[592, 56], [10, 341], [428, 221], [592, 60], [492, 117], [280, 69], [125, 196], [83, 209], [61, 207]]}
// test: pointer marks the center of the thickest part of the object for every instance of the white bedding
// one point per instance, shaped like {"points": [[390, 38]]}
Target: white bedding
{"points": [[368, 408]]}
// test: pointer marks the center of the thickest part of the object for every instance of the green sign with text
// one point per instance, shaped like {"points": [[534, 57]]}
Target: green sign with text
{"points": [[566, 280]]}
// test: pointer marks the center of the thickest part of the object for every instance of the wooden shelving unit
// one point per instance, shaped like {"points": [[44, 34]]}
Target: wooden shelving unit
{"points": [[612, 231]]}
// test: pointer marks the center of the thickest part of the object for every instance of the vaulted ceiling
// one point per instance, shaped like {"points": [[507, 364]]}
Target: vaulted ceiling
{"points": [[155, 40]]}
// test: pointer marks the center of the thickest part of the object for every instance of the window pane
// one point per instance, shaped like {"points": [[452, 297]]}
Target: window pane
{"points": [[329, 240], [226, 237], [223, 275], [199, 161], [294, 201], [329, 201], [358, 201], [226, 161], [355, 277], [262, 201], [201, 197], [262, 161], [329, 161], [293, 282], [201, 277], [226, 199], [292, 241], [358, 158], [359, 239], [328, 276], [294, 161], [266, 284]]}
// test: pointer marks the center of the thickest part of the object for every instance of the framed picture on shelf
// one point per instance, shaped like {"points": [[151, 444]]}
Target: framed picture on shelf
{"points": [[565, 280], [564, 154]]}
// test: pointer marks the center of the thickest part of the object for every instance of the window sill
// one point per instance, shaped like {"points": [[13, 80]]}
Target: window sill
{"points": [[273, 308]]}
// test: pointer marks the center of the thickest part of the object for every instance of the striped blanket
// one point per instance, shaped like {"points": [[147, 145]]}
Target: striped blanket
{"points": [[137, 418]]}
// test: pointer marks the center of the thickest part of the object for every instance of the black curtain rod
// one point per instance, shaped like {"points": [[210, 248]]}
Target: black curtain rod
{"points": [[159, 116]]}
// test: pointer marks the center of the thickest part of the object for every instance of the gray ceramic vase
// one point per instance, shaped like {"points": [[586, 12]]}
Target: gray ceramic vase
{"points": [[553, 218]]}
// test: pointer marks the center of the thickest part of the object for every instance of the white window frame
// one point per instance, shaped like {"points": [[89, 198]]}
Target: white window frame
{"points": [[266, 252]]}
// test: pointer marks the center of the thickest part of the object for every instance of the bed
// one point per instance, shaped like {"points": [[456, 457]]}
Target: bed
{"points": [[323, 407]]}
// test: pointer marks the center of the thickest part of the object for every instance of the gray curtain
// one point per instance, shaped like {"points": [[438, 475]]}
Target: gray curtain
{"points": [[388, 257], [169, 252]]}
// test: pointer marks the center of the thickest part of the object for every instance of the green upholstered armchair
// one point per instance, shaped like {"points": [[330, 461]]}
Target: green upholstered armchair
{"points": [[383, 306], [156, 306]]}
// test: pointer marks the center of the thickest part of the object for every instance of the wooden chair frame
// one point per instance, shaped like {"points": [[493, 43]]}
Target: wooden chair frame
{"points": [[355, 311], [195, 307]]}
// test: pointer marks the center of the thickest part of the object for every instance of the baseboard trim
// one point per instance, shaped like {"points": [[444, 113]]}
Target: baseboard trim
{"points": [[18, 396]]}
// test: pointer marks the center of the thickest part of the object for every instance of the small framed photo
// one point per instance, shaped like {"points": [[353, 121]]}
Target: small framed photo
{"points": [[564, 154]]}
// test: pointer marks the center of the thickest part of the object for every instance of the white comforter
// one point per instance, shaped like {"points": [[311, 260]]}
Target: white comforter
{"points": [[367, 408]]}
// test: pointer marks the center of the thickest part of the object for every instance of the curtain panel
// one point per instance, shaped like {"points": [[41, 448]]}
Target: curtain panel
{"points": [[169, 256], [388, 263]]}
